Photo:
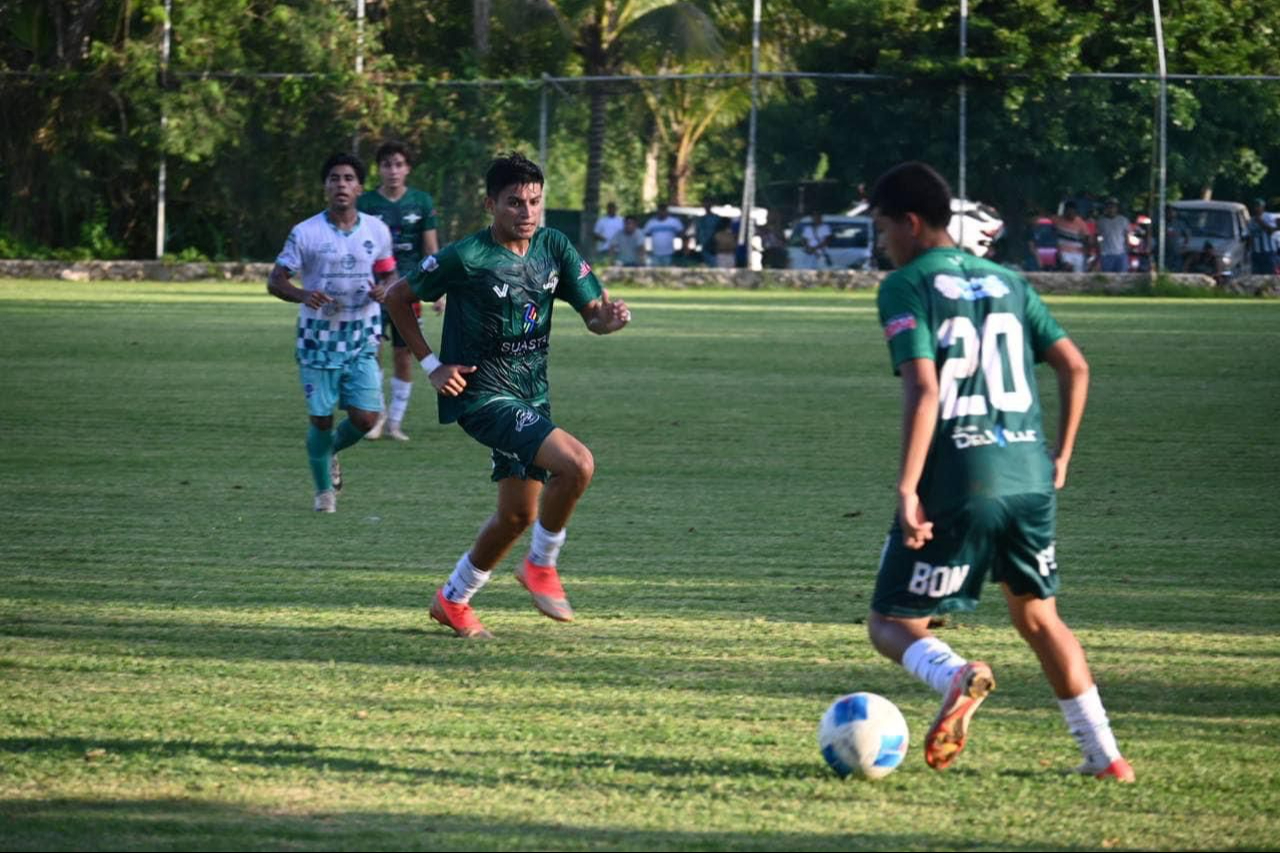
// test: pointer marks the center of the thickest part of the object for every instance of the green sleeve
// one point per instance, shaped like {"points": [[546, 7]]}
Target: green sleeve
{"points": [[1042, 328], [905, 320], [578, 284], [438, 274]]}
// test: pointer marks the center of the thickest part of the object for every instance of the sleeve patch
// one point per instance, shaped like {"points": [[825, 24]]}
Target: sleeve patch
{"points": [[584, 269], [895, 326]]}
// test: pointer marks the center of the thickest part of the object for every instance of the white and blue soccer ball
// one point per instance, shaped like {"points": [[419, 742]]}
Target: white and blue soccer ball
{"points": [[863, 734]]}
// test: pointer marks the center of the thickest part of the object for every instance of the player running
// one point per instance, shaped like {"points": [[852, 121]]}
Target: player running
{"points": [[491, 375]]}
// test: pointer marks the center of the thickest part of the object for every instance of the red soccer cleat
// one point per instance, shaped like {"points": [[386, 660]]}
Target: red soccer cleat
{"points": [[460, 617], [1118, 770], [543, 583], [972, 683]]}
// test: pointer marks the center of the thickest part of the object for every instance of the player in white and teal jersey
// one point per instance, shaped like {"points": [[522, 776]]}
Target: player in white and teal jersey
{"points": [[410, 214], [976, 489], [345, 261], [491, 374]]}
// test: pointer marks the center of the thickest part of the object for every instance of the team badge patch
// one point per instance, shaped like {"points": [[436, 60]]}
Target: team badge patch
{"points": [[524, 419], [897, 325], [584, 269], [429, 263], [530, 318], [972, 289]]}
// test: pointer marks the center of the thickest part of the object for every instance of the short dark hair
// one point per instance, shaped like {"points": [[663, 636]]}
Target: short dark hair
{"points": [[390, 147], [341, 159], [508, 169], [913, 187]]}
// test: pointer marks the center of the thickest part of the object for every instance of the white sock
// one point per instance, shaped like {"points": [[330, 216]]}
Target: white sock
{"points": [[400, 391], [544, 550], [933, 662], [465, 581], [1088, 723]]}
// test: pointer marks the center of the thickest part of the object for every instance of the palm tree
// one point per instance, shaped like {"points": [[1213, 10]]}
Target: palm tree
{"points": [[613, 36]]}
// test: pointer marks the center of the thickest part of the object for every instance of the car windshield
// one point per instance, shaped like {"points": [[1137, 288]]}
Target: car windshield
{"points": [[1206, 223]]}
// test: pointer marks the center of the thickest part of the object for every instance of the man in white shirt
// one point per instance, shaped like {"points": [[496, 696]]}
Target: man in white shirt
{"points": [[663, 229], [606, 226], [816, 235]]}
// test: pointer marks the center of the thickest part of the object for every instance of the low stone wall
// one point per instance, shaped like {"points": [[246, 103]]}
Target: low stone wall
{"points": [[672, 277]]}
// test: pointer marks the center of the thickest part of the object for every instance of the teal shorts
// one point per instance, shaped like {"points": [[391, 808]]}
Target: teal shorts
{"points": [[1012, 537], [358, 385], [513, 430]]}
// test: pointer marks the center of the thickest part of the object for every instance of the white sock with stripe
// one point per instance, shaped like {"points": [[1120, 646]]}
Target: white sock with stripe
{"points": [[400, 391], [465, 581], [1087, 721], [933, 662], [544, 550]]}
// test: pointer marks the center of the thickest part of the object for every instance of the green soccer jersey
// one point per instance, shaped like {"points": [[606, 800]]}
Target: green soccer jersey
{"points": [[408, 218], [499, 312], [984, 328]]}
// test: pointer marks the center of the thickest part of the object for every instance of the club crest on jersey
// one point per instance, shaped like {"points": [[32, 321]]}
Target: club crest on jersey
{"points": [[348, 261], [971, 289], [411, 218], [530, 317], [584, 269], [525, 418], [429, 263], [368, 247], [897, 325], [552, 280]]}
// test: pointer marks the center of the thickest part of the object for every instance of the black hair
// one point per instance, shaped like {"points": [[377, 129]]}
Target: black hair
{"points": [[913, 187], [391, 147], [508, 169], [341, 159]]}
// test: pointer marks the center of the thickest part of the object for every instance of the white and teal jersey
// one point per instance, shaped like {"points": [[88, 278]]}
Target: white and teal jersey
{"points": [[984, 328], [342, 265]]}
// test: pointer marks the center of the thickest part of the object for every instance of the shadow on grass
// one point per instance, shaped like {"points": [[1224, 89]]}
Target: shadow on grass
{"points": [[191, 824]]}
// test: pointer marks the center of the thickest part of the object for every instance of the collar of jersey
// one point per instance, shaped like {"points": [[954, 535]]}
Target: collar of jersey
{"points": [[334, 226]]}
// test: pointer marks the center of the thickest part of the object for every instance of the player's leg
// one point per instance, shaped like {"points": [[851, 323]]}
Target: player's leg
{"points": [[1028, 572], [912, 586], [401, 387], [321, 390], [1063, 660], [571, 467], [517, 508], [388, 329]]}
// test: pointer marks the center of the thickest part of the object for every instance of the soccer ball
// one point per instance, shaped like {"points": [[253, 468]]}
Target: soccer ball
{"points": [[863, 734]]}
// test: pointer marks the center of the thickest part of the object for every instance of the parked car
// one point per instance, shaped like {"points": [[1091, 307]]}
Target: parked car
{"points": [[852, 245], [1222, 224], [974, 226]]}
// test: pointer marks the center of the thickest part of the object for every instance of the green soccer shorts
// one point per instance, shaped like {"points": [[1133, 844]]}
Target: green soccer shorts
{"points": [[513, 430], [1012, 537]]}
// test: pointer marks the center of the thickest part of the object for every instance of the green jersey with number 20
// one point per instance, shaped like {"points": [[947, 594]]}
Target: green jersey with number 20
{"points": [[984, 328]]}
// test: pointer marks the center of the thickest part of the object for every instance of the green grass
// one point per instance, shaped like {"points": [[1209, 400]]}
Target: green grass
{"points": [[191, 659]]}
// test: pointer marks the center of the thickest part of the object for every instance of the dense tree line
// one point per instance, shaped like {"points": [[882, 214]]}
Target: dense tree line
{"points": [[83, 93]]}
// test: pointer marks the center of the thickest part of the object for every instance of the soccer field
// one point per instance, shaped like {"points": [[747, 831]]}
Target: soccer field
{"points": [[191, 659]]}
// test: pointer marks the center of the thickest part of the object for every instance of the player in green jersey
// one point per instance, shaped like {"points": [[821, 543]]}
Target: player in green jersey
{"points": [[976, 488], [491, 377], [410, 214]]}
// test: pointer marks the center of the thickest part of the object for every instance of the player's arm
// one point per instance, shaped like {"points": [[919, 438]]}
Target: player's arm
{"points": [[447, 379], [281, 286], [919, 419], [1073, 388]]}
